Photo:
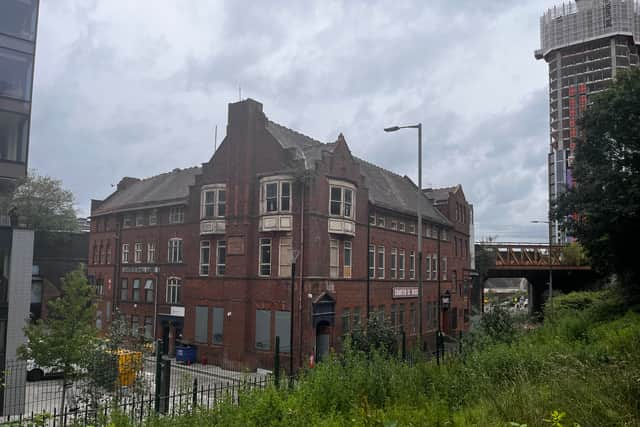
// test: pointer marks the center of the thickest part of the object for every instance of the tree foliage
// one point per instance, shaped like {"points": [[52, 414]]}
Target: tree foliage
{"points": [[376, 335], [68, 334], [42, 204], [603, 210]]}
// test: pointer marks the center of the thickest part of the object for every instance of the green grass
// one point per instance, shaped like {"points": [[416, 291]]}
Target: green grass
{"points": [[583, 362]]}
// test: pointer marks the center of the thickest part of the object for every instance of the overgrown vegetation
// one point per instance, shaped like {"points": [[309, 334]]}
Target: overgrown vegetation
{"points": [[603, 210], [582, 368]]}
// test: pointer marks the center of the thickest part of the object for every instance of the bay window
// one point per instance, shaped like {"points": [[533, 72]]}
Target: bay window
{"points": [[341, 201], [213, 201], [275, 195]]}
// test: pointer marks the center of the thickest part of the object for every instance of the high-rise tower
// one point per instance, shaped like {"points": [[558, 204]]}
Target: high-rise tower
{"points": [[585, 44]]}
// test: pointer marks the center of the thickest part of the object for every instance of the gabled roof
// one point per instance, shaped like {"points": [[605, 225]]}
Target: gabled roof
{"points": [[386, 189], [160, 190], [440, 194], [391, 191], [306, 148]]}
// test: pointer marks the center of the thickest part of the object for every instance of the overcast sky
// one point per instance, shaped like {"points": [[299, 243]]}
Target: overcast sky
{"points": [[135, 88]]}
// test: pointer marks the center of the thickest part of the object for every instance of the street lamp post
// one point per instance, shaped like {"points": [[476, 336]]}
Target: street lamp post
{"points": [[419, 212], [294, 258], [550, 298]]}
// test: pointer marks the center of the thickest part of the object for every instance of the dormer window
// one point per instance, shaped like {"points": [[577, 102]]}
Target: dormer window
{"points": [[341, 199], [275, 195], [176, 215], [213, 201]]}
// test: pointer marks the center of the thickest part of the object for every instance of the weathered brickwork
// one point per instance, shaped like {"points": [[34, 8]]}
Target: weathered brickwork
{"points": [[267, 195]]}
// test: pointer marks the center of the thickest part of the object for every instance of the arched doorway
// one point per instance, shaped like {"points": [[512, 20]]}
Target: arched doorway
{"points": [[323, 340], [323, 319]]}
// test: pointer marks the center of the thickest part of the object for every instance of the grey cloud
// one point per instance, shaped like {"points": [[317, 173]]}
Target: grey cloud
{"points": [[114, 100]]}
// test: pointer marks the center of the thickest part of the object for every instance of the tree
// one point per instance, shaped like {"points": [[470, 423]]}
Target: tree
{"points": [[63, 340], [603, 210], [42, 204], [376, 335]]}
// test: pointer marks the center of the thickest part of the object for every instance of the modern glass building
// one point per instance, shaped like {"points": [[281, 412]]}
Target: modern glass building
{"points": [[585, 44], [18, 30]]}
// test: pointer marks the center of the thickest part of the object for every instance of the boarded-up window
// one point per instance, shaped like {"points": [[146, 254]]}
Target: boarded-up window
{"points": [[283, 329], [285, 257], [218, 325], [263, 329], [347, 259], [202, 323], [334, 262]]}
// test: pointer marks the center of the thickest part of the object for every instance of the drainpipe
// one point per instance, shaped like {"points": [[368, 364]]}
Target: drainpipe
{"points": [[367, 264], [301, 264], [117, 265]]}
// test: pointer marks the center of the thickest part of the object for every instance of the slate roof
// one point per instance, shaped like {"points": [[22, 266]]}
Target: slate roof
{"points": [[395, 192], [167, 188], [440, 194], [306, 148], [386, 189]]}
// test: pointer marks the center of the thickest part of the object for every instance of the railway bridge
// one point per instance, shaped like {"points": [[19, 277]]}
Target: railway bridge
{"points": [[538, 263]]}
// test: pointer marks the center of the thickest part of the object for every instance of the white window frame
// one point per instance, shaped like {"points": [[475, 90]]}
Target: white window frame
{"points": [[153, 217], [148, 290], [125, 253], [139, 219], [344, 187], [412, 265], [151, 252], [394, 263], [204, 263], [394, 224], [138, 248], [136, 288], [279, 182], [285, 256], [219, 207], [401, 261], [347, 255], [444, 268], [127, 221], [174, 290], [379, 252], [264, 242], [401, 227], [334, 258], [412, 228], [176, 215], [221, 264], [380, 222], [175, 251], [428, 269], [434, 270], [371, 266]]}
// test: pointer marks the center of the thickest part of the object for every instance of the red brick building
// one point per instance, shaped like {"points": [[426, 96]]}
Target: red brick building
{"points": [[205, 254]]}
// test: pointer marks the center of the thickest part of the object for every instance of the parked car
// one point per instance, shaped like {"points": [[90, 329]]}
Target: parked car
{"points": [[37, 373]]}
